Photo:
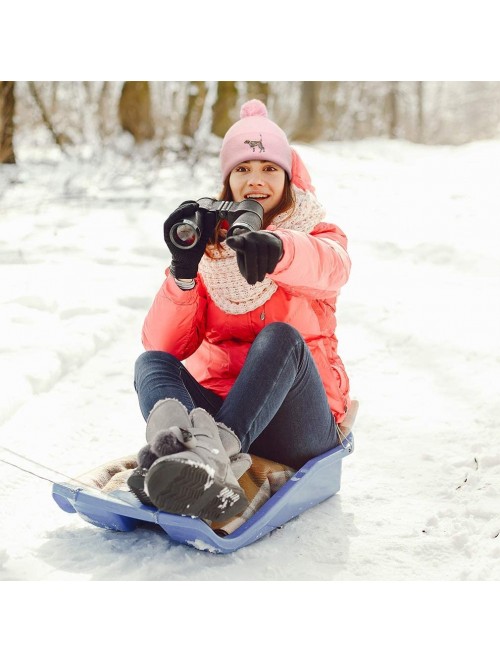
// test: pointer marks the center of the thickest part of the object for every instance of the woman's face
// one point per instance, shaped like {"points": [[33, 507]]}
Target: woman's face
{"points": [[263, 181]]}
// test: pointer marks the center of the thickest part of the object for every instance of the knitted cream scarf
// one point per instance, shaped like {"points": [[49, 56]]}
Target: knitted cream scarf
{"points": [[220, 273]]}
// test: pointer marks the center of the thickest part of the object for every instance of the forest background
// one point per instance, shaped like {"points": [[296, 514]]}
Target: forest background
{"points": [[186, 119]]}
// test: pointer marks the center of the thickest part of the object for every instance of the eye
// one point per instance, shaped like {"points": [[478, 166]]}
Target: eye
{"points": [[270, 169], [241, 169]]}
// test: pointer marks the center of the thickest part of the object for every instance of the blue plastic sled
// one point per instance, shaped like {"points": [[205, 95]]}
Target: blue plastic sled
{"points": [[317, 480]]}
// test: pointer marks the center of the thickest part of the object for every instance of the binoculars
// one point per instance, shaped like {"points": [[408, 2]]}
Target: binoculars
{"points": [[241, 217]]}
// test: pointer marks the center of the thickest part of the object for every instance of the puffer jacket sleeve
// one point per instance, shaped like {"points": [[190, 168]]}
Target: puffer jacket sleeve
{"points": [[315, 264], [175, 322]]}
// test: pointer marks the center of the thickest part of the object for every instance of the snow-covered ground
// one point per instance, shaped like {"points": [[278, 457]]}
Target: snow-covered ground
{"points": [[81, 257]]}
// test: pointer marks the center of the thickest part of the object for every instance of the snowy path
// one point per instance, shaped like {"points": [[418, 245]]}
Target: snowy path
{"points": [[418, 332]]}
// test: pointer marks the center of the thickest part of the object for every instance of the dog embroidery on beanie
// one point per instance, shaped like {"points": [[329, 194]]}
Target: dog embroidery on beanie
{"points": [[256, 143]]}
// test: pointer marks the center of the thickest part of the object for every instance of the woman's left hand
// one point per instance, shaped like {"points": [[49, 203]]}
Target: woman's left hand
{"points": [[258, 252]]}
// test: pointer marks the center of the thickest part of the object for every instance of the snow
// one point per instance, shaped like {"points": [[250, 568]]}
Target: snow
{"points": [[81, 258]]}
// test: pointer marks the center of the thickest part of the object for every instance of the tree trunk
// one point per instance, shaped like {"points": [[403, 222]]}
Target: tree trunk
{"points": [[309, 124], [7, 105], [420, 111], [135, 110], [101, 110], [392, 109], [197, 92], [224, 108], [60, 139], [258, 90]]}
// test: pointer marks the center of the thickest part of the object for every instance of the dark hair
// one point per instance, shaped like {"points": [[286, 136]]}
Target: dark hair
{"points": [[286, 204]]}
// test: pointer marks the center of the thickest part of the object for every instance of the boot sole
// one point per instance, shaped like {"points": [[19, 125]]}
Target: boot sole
{"points": [[135, 483], [187, 488]]}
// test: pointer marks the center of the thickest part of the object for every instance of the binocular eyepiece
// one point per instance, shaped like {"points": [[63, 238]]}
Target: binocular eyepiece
{"points": [[241, 217]]}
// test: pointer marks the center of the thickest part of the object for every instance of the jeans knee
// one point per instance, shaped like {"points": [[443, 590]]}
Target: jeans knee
{"points": [[150, 360], [278, 338], [281, 332], [141, 362]]}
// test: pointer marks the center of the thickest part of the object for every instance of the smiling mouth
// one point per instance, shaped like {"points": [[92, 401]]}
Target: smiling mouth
{"points": [[256, 196]]}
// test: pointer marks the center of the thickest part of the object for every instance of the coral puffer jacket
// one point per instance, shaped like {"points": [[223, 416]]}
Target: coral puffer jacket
{"points": [[188, 324]]}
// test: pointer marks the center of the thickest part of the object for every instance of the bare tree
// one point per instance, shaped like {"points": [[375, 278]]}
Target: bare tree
{"points": [[7, 106], [258, 90], [59, 138], [224, 108], [309, 124], [135, 110], [101, 106], [420, 111], [393, 109], [197, 92], [54, 86]]}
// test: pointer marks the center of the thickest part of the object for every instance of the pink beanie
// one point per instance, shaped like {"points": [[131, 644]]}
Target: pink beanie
{"points": [[255, 137]]}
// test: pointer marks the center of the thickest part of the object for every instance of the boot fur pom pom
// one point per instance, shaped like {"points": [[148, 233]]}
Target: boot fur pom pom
{"points": [[166, 443], [146, 457]]}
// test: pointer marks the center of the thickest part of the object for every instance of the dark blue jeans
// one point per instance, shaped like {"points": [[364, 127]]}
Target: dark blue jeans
{"points": [[277, 407]]}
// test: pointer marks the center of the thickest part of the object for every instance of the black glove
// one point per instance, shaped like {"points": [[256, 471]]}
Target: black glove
{"points": [[185, 262], [258, 252]]}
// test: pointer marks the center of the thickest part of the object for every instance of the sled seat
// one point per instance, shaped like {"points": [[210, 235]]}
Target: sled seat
{"points": [[120, 510]]}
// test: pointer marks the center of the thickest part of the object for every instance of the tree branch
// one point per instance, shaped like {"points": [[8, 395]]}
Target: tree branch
{"points": [[45, 116]]}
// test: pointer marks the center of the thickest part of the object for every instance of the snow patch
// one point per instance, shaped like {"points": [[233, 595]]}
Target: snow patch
{"points": [[201, 545]]}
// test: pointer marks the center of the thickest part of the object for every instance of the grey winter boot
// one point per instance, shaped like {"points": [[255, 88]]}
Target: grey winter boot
{"points": [[164, 427], [165, 431], [199, 481], [240, 462]]}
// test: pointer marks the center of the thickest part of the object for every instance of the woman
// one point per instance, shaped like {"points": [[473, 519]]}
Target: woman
{"points": [[241, 353]]}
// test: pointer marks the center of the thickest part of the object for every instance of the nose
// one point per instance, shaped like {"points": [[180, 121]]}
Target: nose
{"points": [[255, 179]]}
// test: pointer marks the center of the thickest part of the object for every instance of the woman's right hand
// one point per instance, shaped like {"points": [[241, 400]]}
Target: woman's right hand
{"points": [[185, 262], [257, 252]]}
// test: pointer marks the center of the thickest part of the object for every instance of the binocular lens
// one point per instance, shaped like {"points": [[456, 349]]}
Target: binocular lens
{"points": [[238, 231], [185, 235], [246, 222]]}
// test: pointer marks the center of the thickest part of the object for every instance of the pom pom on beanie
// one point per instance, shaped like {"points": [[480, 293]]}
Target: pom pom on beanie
{"points": [[253, 107], [255, 137]]}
